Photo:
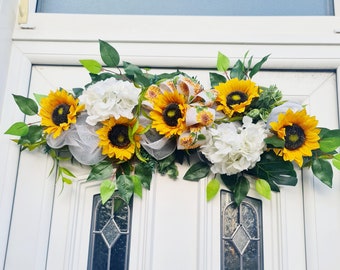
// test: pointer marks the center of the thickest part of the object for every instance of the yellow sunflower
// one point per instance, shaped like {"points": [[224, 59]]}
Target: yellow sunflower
{"points": [[300, 134], [58, 111], [235, 95], [114, 138], [168, 113]]}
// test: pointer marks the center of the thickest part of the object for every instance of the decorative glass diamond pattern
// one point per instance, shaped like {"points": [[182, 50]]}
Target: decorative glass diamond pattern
{"points": [[110, 235], [110, 232], [241, 239], [241, 233]]}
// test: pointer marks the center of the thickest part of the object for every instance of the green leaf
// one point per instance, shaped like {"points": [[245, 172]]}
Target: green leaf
{"points": [[67, 172], [77, 91], [263, 188], [322, 169], [33, 135], [258, 66], [216, 79], [27, 105], [222, 62], [107, 188], [330, 140], [100, 171], [212, 189], [18, 129], [92, 66], [274, 141], [336, 161], [229, 180], [38, 97], [241, 189], [274, 169], [125, 187], [138, 188], [144, 172], [66, 180], [108, 54], [197, 171], [238, 71]]}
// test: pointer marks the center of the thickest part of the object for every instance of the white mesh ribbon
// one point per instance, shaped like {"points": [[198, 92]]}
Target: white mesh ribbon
{"points": [[158, 146], [81, 140], [274, 115]]}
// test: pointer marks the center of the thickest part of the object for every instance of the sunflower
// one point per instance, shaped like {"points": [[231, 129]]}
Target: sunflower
{"points": [[114, 138], [58, 111], [235, 95], [168, 113], [300, 134]]}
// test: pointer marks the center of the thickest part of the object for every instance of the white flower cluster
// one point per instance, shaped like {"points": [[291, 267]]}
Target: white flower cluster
{"points": [[233, 148], [109, 98]]}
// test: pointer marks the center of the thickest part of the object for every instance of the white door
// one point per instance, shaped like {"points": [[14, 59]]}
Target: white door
{"points": [[173, 227]]}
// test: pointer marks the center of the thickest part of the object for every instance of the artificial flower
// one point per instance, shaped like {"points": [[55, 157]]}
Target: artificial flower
{"points": [[168, 113], [114, 138], [233, 148], [109, 98], [58, 111], [235, 95], [300, 134]]}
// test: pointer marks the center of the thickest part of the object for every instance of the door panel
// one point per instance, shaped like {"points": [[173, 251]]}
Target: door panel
{"points": [[173, 227]]}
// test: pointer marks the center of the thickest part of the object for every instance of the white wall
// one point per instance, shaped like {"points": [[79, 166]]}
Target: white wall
{"points": [[8, 10]]}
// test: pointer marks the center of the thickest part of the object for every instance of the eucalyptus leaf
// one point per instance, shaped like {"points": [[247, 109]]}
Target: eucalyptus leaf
{"points": [[263, 188], [241, 189], [109, 54], [322, 169], [197, 171], [100, 171], [27, 105], [92, 66], [18, 129], [216, 79], [125, 187], [107, 188], [212, 188], [222, 62]]}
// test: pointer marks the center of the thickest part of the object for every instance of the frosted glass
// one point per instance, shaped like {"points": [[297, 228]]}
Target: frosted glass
{"points": [[191, 7]]}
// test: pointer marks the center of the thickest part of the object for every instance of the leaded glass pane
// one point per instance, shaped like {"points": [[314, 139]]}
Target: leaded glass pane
{"points": [[241, 234], [110, 235]]}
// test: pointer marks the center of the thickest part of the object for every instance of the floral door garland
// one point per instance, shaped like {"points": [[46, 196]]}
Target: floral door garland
{"points": [[127, 124]]}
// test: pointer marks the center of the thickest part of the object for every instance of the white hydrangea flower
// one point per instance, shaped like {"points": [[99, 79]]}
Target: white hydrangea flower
{"points": [[109, 98], [233, 148]]}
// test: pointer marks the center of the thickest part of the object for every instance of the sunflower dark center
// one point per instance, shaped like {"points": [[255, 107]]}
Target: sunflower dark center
{"points": [[59, 114], [295, 137], [236, 97], [171, 114], [118, 136]]}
